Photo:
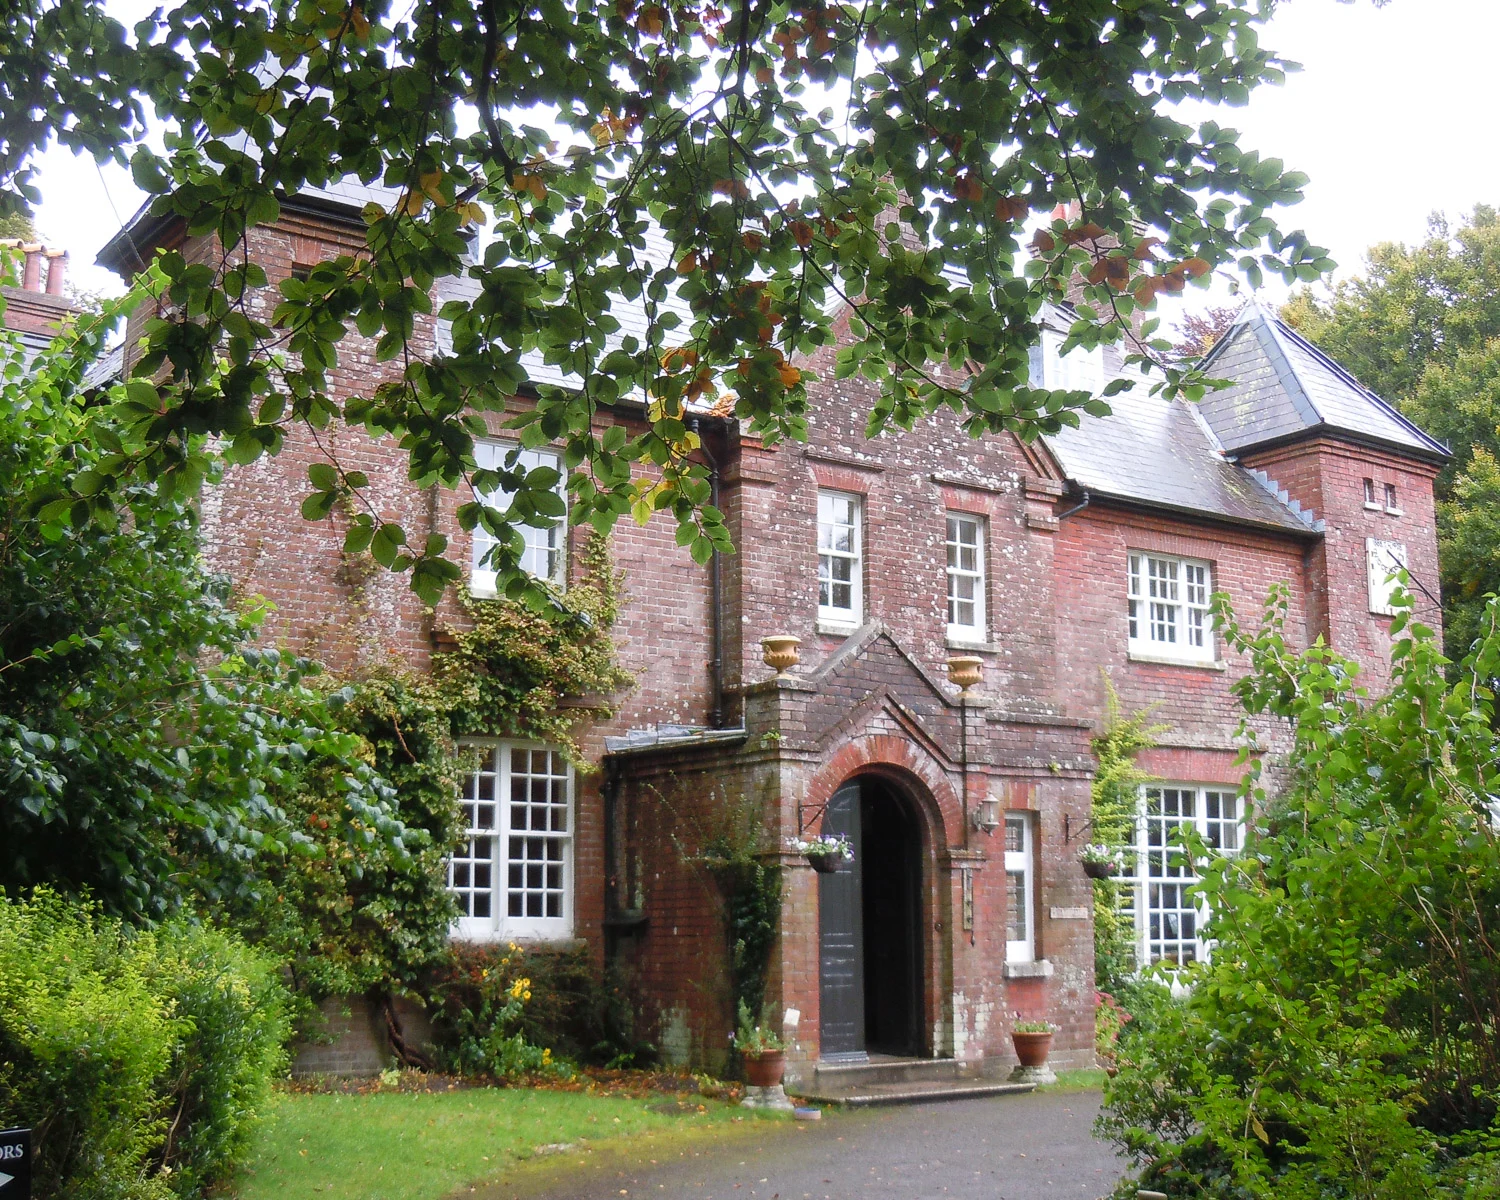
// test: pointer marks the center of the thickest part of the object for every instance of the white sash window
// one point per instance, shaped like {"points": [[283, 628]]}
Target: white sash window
{"points": [[513, 873]]}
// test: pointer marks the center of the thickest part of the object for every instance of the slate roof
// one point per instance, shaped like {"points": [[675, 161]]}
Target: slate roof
{"points": [[1160, 453], [1285, 387]]}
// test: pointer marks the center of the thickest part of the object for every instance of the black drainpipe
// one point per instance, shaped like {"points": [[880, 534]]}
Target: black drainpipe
{"points": [[716, 586], [1077, 508]]}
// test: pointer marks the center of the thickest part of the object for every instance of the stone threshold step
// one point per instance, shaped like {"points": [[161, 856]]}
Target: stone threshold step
{"points": [[909, 1093]]}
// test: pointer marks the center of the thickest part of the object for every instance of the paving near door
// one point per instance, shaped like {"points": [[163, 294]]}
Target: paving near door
{"points": [[1030, 1147]]}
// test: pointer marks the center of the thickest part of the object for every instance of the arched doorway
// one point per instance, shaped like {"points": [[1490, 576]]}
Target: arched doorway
{"points": [[870, 927]]}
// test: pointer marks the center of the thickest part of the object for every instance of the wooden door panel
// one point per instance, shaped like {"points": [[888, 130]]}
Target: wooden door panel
{"points": [[841, 936]]}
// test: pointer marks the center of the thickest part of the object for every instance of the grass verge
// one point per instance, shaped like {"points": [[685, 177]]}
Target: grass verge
{"points": [[424, 1146], [1088, 1080]]}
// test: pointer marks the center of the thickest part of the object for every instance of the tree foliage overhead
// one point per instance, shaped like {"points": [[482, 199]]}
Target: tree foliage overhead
{"points": [[145, 739], [795, 156], [1421, 328]]}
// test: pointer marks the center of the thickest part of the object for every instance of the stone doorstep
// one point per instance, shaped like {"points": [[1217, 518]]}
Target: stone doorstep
{"points": [[882, 1068], [865, 1094]]}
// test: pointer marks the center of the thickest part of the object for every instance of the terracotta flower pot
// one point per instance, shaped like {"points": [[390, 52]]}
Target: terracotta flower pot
{"points": [[779, 652], [1098, 870], [765, 1069], [824, 864], [1032, 1048]]}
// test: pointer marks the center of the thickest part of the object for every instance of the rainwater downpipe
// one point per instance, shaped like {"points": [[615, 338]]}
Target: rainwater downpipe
{"points": [[1077, 508], [716, 589]]}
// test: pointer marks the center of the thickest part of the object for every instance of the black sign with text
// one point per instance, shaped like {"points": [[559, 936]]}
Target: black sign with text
{"points": [[15, 1164]]}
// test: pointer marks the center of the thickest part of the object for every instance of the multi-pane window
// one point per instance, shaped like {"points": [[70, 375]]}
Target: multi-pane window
{"points": [[512, 872], [1169, 921], [1167, 607], [840, 554], [966, 577], [1382, 560], [545, 555], [1020, 915]]}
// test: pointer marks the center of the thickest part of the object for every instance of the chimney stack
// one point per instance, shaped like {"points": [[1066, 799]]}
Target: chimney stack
{"points": [[38, 305], [57, 271]]}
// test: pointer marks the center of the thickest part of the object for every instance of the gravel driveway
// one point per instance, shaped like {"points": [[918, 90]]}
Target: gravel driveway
{"points": [[1030, 1147]]}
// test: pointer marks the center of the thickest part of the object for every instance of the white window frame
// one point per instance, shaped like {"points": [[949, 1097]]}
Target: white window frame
{"points": [[1163, 876], [1370, 501], [1167, 608], [1081, 369], [958, 575], [1392, 500], [1382, 560], [546, 553], [497, 762], [829, 554], [1021, 864]]}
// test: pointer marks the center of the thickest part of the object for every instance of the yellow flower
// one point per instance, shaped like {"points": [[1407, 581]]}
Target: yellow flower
{"points": [[527, 996]]}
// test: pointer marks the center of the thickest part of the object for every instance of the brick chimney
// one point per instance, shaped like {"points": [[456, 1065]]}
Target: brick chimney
{"points": [[38, 305]]}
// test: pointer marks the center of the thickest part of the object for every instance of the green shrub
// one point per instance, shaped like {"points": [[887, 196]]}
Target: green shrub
{"points": [[140, 1060], [1341, 1042], [232, 1018], [480, 1000]]}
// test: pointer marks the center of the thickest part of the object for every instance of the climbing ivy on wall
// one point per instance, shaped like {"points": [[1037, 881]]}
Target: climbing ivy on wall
{"points": [[353, 915], [1116, 796]]}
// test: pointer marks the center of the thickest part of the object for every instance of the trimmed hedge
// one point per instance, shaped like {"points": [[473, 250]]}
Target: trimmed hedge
{"points": [[139, 1058]]}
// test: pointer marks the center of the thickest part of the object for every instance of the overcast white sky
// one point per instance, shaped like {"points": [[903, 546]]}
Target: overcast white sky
{"points": [[1387, 117]]}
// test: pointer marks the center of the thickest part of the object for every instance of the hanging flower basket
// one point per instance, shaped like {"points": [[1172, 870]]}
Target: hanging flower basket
{"points": [[824, 854], [1099, 862]]}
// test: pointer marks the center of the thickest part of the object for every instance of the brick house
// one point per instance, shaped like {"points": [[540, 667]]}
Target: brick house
{"points": [[1085, 555]]}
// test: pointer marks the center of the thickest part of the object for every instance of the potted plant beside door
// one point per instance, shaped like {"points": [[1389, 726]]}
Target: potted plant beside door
{"points": [[824, 853], [1033, 1041], [762, 1048]]}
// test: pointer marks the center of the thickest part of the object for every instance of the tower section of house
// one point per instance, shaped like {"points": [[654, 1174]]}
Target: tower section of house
{"points": [[1306, 426]]}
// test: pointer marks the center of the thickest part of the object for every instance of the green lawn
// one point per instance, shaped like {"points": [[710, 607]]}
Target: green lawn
{"points": [[415, 1146]]}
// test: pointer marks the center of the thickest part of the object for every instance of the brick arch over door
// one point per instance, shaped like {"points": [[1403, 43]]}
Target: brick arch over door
{"points": [[908, 766], [922, 785]]}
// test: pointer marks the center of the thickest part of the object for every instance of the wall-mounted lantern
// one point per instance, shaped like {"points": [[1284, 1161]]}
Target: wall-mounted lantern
{"points": [[987, 815]]}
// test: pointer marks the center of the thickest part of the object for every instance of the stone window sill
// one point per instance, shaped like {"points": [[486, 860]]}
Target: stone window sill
{"points": [[837, 628], [971, 644], [1041, 969], [1166, 660]]}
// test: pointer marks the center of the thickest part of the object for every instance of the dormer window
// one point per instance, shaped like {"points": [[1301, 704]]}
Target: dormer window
{"points": [[1080, 369]]}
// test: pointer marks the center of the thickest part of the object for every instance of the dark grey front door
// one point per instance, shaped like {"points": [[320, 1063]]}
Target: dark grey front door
{"points": [[841, 994]]}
